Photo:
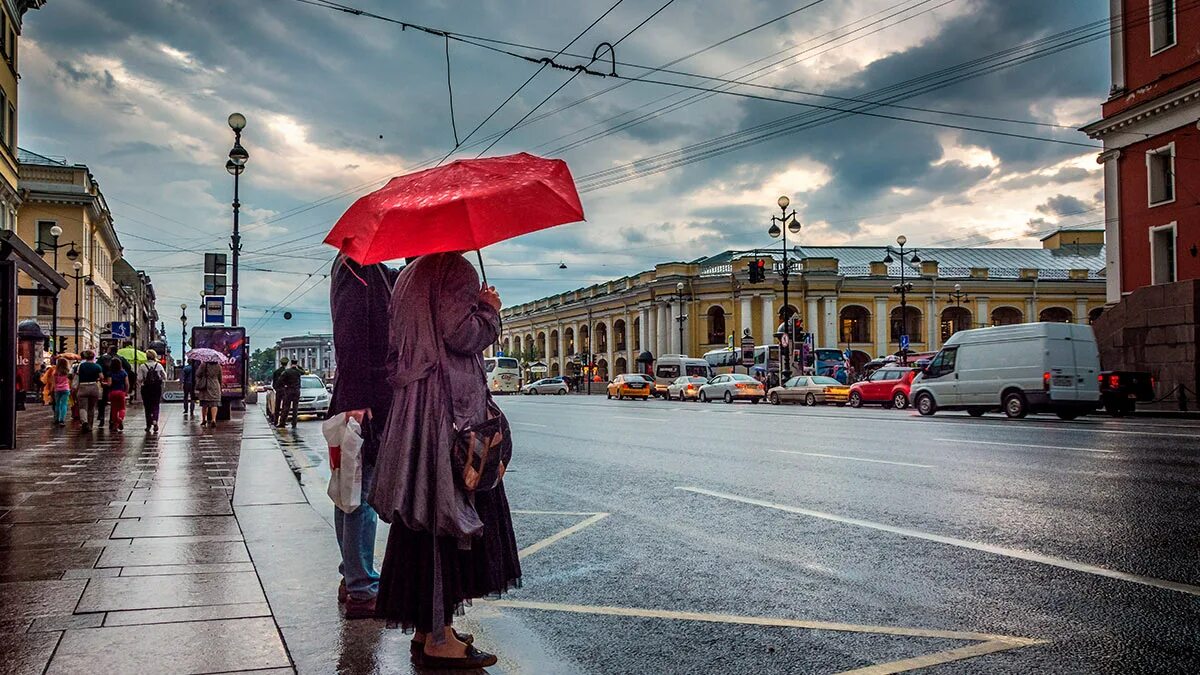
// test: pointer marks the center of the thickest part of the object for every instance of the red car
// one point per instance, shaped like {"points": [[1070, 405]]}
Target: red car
{"points": [[886, 386]]}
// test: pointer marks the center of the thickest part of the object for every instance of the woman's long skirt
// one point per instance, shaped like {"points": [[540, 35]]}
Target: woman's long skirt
{"points": [[491, 567]]}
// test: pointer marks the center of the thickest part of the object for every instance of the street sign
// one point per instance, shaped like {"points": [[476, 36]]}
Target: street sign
{"points": [[747, 348], [903, 342], [784, 341], [214, 284], [214, 309], [214, 263], [120, 330]]}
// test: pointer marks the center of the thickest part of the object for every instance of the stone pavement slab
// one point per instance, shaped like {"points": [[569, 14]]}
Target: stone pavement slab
{"points": [[175, 590], [26, 654], [167, 551], [32, 536], [176, 526]]}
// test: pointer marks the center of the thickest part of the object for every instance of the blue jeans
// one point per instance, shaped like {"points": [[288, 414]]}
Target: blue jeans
{"points": [[356, 538], [60, 405]]}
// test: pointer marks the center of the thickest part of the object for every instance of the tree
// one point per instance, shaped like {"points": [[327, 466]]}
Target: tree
{"points": [[262, 364]]}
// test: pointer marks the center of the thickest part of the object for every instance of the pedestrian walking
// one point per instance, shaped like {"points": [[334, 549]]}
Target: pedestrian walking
{"points": [[447, 545], [274, 412], [61, 373], [358, 301], [88, 378], [288, 398], [152, 375], [208, 390], [187, 379], [105, 362], [118, 389]]}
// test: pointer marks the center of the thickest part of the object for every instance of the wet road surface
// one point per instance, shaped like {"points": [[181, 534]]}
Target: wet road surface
{"points": [[681, 537]]}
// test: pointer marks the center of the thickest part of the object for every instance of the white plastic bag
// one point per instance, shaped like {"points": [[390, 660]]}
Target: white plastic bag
{"points": [[344, 437]]}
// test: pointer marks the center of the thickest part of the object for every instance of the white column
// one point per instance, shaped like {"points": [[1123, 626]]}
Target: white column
{"points": [[1081, 310], [660, 333], [1112, 225], [983, 314], [643, 330], [830, 337], [811, 315], [1031, 314], [1116, 43], [630, 352], [562, 349], [933, 324], [609, 344], [673, 327], [769, 321], [881, 326], [747, 320]]}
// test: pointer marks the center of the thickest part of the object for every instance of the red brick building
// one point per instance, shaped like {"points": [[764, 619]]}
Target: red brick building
{"points": [[1151, 160]]}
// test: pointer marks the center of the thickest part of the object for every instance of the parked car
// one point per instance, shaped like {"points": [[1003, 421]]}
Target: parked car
{"points": [[1020, 369], [809, 390], [732, 387], [549, 385], [686, 387], [314, 397], [630, 385], [888, 386], [1120, 390], [668, 367]]}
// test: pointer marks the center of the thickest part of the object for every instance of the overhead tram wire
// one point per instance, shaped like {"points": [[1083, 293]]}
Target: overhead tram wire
{"points": [[612, 48]]}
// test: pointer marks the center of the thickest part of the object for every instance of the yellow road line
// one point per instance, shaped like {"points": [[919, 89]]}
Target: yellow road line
{"points": [[534, 548], [938, 658]]}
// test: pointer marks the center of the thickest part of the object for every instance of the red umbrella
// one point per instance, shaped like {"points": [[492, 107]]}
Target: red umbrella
{"points": [[465, 205]]}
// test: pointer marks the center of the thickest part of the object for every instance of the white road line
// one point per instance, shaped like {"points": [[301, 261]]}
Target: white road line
{"points": [[1023, 445], [852, 459], [531, 424], [961, 543], [641, 419], [534, 548]]}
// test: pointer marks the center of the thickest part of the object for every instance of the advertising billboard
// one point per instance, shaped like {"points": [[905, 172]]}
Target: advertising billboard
{"points": [[230, 341]]}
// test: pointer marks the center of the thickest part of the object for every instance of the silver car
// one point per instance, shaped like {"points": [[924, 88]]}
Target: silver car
{"points": [[549, 385], [686, 387], [733, 387], [314, 397]]}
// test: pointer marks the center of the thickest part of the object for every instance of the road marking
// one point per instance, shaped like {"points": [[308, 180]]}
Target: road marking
{"points": [[1023, 445], [534, 548], [531, 424], [553, 513], [988, 644], [852, 459], [640, 419], [961, 543]]}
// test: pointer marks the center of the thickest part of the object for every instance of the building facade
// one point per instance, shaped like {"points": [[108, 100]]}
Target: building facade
{"points": [[844, 295], [1150, 127], [12, 12], [67, 196], [136, 304], [314, 353]]}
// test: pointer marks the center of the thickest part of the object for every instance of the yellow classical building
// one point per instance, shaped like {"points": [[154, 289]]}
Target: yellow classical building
{"points": [[846, 295]]}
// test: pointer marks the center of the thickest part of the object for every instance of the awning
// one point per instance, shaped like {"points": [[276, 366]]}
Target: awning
{"points": [[48, 281]]}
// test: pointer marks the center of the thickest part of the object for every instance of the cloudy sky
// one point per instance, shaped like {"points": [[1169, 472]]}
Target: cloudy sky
{"points": [[139, 90]]}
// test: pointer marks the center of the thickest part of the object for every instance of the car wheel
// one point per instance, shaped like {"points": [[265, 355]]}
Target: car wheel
{"points": [[899, 400], [728, 397], [976, 412], [1015, 405], [703, 397], [773, 398], [754, 401], [810, 399], [855, 400], [560, 392], [925, 404], [1067, 414]]}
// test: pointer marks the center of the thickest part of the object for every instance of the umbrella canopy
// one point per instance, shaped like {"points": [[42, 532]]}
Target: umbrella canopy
{"points": [[207, 355], [465, 205], [70, 356], [132, 355]]}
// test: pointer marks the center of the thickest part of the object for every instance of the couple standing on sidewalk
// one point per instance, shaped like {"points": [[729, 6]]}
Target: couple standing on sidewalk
{"points": [[447, 545]]}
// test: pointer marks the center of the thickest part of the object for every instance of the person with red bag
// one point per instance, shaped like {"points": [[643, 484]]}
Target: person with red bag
{"points": [[118, 387]]}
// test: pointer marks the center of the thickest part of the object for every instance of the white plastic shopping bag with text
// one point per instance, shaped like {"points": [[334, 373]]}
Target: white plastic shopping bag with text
{"points": [[344, 437]]}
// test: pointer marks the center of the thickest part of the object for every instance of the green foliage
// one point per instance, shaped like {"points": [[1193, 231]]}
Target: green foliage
{"points": [[262, 364]]}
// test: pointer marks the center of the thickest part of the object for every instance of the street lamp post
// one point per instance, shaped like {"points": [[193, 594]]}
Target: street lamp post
{"points": [[903, 288], [72, 255], [958, 297], [680, 317], [78, 276], [235, 166], [780, 225], [183, 333]]}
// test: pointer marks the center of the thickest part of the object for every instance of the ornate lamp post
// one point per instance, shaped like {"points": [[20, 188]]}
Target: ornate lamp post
{"points": [[680, 317], [183, 333], [78, 276], [780, 225], [903, 288], [235, 166], [72, 255]]}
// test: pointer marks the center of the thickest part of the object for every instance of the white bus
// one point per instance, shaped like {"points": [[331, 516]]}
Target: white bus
{"points": [[503, 375], [729, 360]]}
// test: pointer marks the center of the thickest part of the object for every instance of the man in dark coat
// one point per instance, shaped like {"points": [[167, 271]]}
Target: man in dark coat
{"points": [[287, 399], [283, 364], [358, 301]]}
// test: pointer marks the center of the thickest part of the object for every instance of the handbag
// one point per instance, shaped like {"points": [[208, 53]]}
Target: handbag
{"points": [[481, 452]]}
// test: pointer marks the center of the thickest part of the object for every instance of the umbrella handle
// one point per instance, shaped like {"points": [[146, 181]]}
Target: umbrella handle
{"points": [[483, 273]]}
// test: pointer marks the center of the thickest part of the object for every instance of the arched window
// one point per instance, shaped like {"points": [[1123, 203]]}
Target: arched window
{"points": [[856, 324], [541, 345], [1095, 314], [601, 338], [1055, 315], [569, 341], [716, 325], [619, 335], [554, 343], [637, 333], [621, 367], [955, 319], [1007, 316], [906, 321], [554, 370]]}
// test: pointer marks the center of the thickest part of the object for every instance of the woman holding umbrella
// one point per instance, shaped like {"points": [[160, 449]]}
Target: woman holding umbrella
{"points": [[208, 383], [450, 540]]}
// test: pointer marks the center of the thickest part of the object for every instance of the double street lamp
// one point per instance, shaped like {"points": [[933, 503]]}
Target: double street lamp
{"points": [[235, 166], [903, 288], [780, 226], [72, 255], [680, 317], [183, 333], [78, 276]]}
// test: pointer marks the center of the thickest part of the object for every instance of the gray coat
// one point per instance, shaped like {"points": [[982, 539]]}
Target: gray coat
{"points": [[208, 382], [439, 330]]}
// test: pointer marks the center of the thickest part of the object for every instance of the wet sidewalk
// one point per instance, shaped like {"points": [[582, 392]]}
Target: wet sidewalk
{"points": [[120, 552]]}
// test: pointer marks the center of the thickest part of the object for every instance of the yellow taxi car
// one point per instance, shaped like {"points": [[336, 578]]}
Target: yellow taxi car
{"points": [[631, 385]]}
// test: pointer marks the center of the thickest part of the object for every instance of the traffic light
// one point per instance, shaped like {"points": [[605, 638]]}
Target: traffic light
{"points": [[758, 271], [62, 344]]}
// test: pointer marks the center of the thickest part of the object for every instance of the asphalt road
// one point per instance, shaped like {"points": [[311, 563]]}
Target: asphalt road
{"points": [[742, 538]]}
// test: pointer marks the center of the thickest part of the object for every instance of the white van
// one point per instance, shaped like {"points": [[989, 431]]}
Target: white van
{"points": [[668, 367], [1020, 369]]}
